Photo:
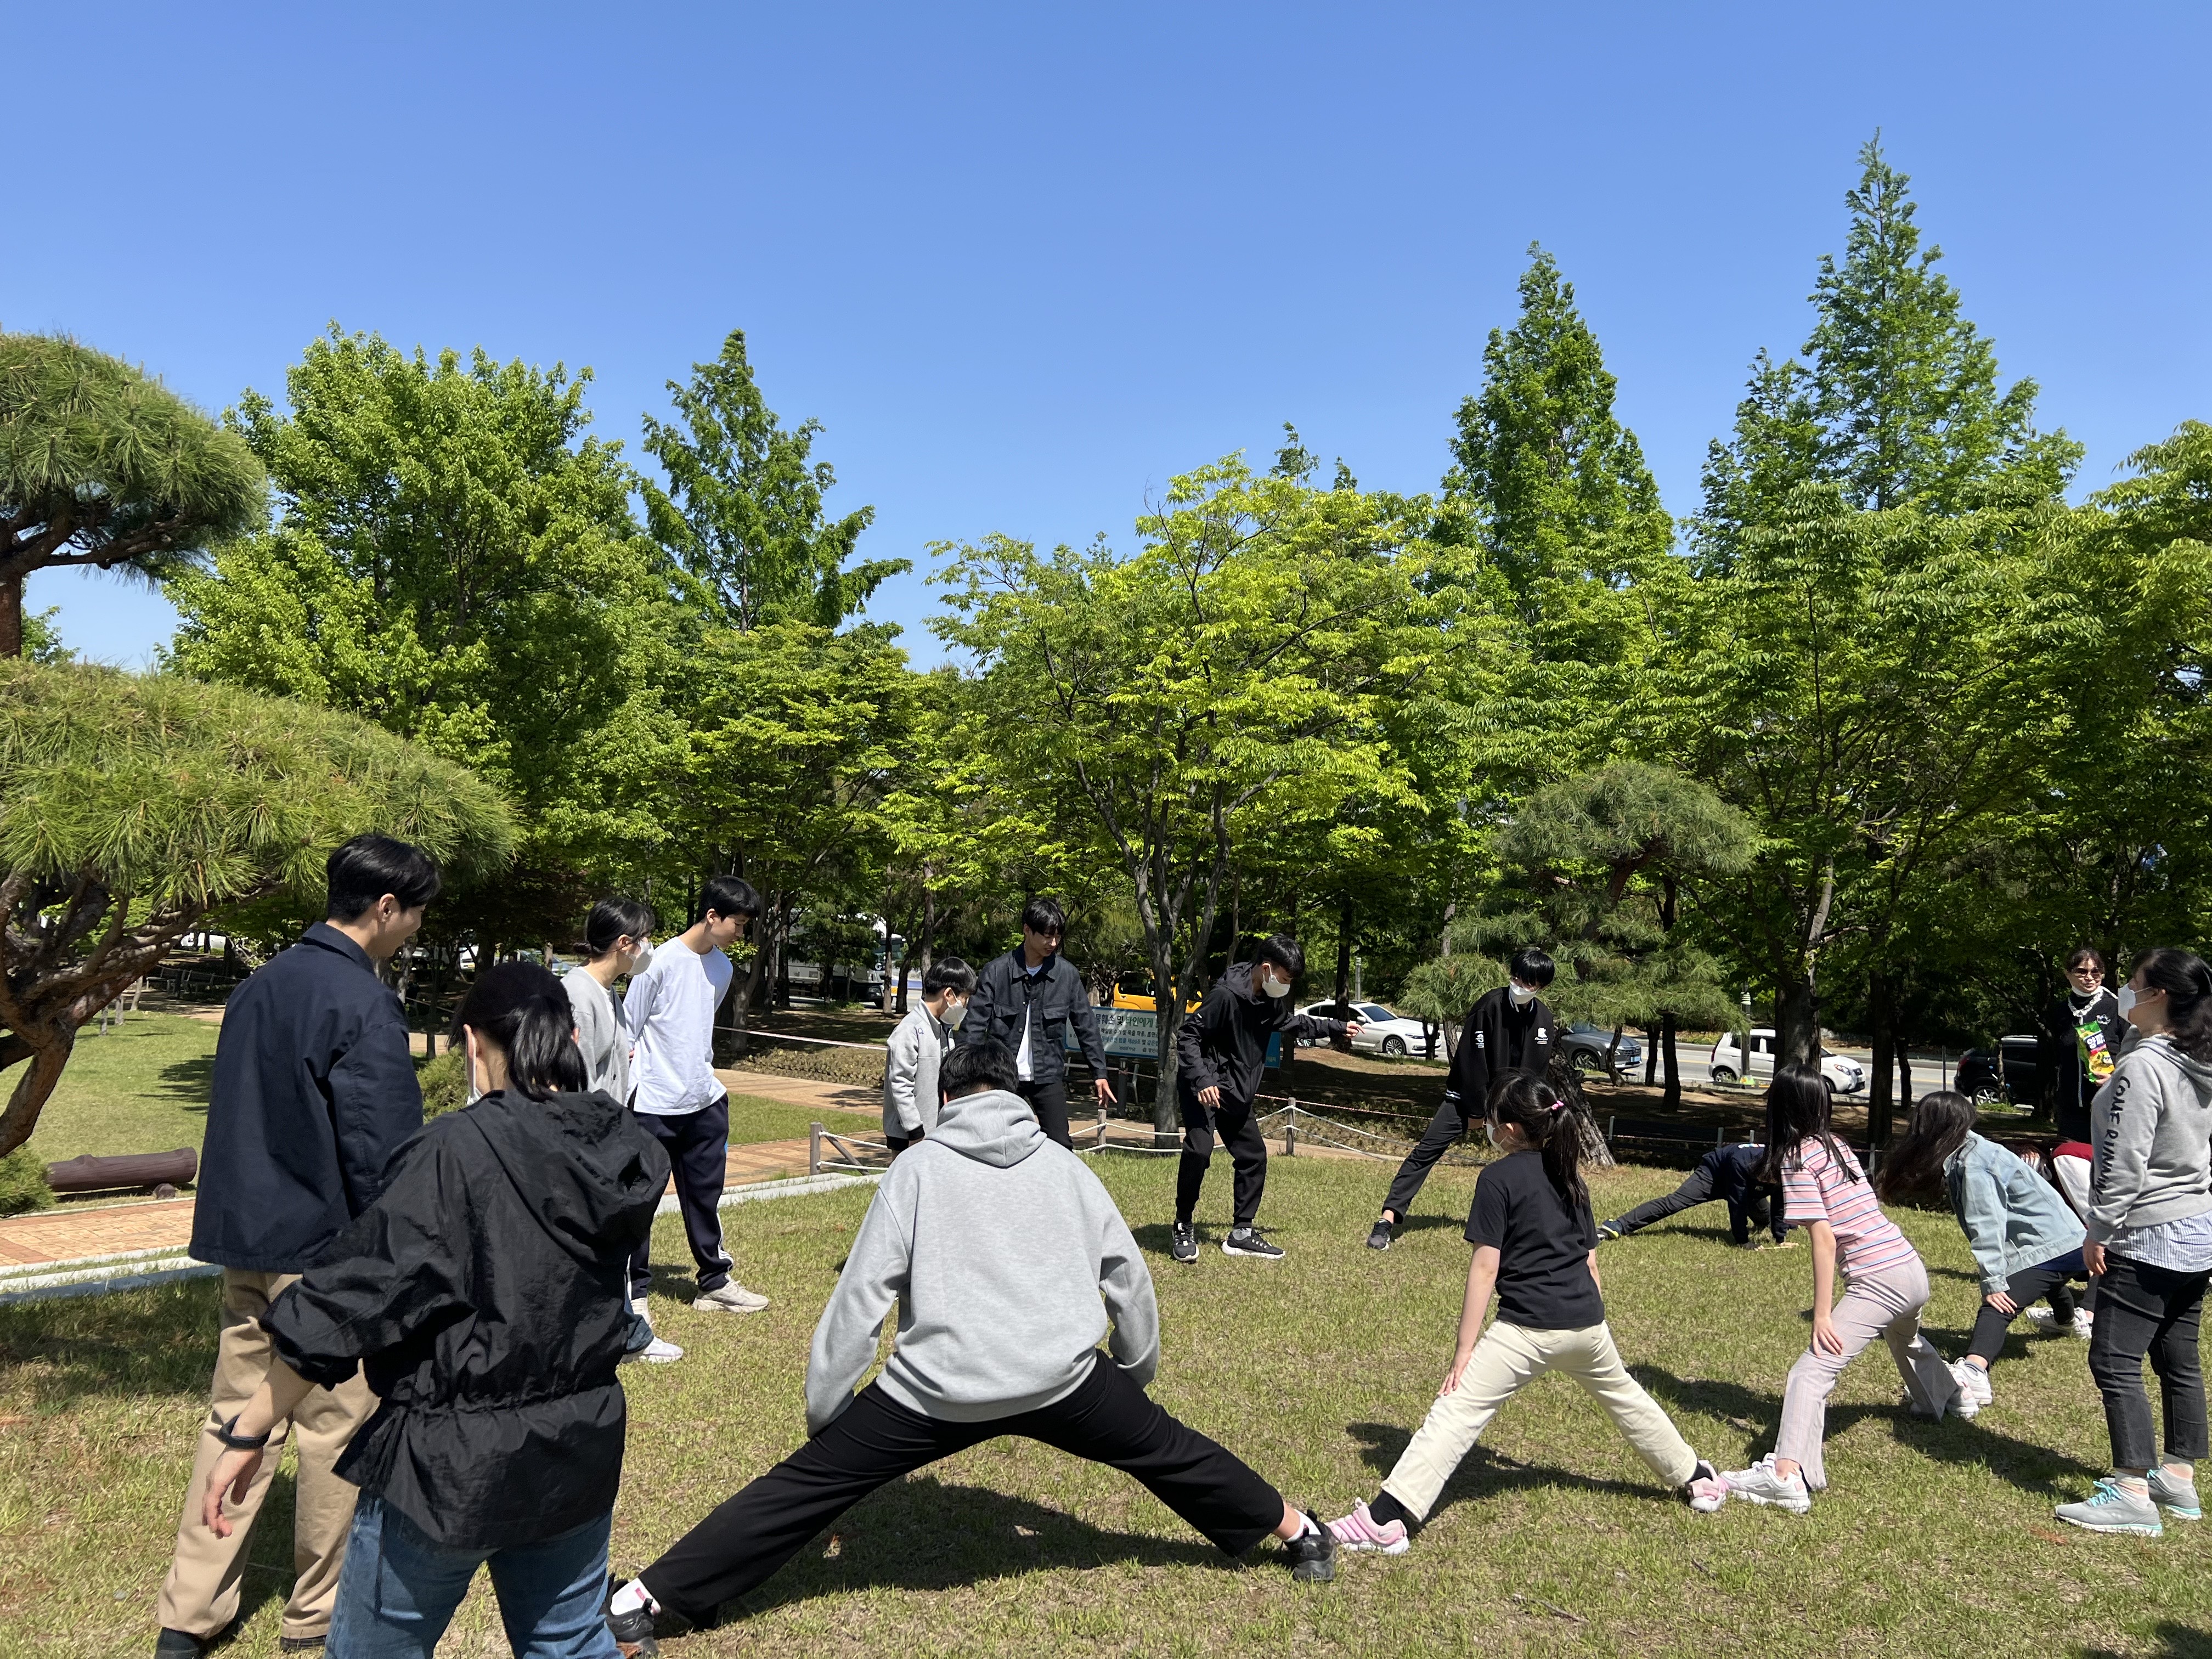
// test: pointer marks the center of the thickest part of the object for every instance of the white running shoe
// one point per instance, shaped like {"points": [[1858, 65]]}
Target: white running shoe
{"points": [[659, 1352], [1973, 1382], [731, 1298], [1760, 1484]]}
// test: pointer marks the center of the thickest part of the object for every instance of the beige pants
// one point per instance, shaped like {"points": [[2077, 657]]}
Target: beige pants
{"points": [[201, 1595], [1507, 1359]]}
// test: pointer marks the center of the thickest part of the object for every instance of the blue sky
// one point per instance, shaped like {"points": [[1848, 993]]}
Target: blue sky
{"points": [[1025, 263]]}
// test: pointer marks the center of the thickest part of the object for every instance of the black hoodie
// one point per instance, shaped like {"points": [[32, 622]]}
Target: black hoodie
{"points": [[1224, 1044], [486, 1292]]}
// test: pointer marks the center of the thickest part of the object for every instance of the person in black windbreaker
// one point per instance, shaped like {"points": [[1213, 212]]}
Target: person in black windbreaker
{"points": [[486, 1295], [314, 1090], [1219, 1053], [1030, 999], [1508, 1030], [1727, 1174]]}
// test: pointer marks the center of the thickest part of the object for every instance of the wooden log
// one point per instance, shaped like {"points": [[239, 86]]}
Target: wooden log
{"points": [[87, 1174]]}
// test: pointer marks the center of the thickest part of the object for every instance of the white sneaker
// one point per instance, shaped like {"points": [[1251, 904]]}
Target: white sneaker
{"points": [[731, 1298], [2085, 1323], [1760, 1484], [1973, 1382], [659, 1352]]}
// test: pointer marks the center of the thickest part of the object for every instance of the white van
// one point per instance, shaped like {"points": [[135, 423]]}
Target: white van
{"points": [[1843, 1075]]}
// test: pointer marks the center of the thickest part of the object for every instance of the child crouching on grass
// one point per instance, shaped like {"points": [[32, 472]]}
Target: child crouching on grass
{"points": [[1886, 1286], [1536, 1244]]}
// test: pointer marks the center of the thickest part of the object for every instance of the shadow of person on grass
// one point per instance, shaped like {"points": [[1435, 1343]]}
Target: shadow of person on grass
{"points": [[1483, 1472], [924, 1533], [2175, 1641]]}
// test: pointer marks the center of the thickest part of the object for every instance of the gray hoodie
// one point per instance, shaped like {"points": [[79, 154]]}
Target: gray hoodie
{"points": [[2152, 1122], [1006, 1259]]}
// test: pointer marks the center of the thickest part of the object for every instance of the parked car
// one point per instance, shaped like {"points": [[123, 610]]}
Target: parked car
{"points": [[1844, 1076], [2012, 1071], [1584, 1046], [1135, 991], [1381, 1031]]}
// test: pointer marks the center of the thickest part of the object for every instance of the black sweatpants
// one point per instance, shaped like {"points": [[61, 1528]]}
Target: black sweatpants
{"points": [[2025, 1288], [698, 1146], [1443, 1132], [1048, 1100], [1758, 1211], [2146, 1310], [1236, 1126], [1108, 1419]]}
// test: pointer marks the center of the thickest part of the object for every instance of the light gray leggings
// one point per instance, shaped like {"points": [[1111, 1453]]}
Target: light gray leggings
{"points": [[1886, 1303]]}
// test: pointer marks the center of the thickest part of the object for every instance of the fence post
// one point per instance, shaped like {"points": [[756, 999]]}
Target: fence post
{"points": [[1611, 1119], [814, 1149], [1102, 1126], [1720, 1134]]}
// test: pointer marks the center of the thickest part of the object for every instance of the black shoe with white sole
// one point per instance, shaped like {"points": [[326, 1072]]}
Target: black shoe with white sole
{"points": [[1312, 1554], [1380, 1238], [177, 1644], [1182, 1242], [1245, 1240]]}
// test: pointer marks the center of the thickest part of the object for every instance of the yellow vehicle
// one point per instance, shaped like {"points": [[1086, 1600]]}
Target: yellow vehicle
{"points": [[1135, 991]]}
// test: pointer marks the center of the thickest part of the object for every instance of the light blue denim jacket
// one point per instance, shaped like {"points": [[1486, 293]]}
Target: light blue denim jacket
{"points": [[2012, 1216]]}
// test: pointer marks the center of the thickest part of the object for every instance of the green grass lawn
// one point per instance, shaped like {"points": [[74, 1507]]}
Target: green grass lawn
{"points": [[1933, 1539]]}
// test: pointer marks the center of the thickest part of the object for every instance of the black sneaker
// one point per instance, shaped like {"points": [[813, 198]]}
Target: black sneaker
{"points": [[1380, 1238], [1183, 1243], [632, 1630], [1610, 1230], [1244, 1241], [1312, 1555], [177, 1644]]}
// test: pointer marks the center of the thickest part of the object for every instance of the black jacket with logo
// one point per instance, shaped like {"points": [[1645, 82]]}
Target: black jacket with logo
{"points": [[1498, 1038], [1224, 1044], [314, 1090], [487, 1292], [2074, 1089], [1005, 994]]}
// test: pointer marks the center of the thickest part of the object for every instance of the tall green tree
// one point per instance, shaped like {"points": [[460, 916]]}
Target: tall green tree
{"points": [[102, 467], [744, 509]]}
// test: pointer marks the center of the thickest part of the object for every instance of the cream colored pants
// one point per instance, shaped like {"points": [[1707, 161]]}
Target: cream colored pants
{"points": [[201, 1595], [1507, 1359]]}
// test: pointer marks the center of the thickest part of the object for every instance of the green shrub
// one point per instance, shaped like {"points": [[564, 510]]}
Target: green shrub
{"points": [[23, 1183], [445, 1082]]}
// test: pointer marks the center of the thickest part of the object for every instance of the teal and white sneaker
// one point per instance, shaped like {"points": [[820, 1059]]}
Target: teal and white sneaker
{"points": [[2113, 1508], [2177, 1497]]}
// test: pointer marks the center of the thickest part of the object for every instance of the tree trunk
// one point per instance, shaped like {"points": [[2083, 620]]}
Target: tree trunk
{"points": [[1796, 1025], [1880, 1114], [1903, 1081], [48, 1059], [1167, 1001], [1344, 952], [1672, 1096], [11, 615], [1650, 1055]]}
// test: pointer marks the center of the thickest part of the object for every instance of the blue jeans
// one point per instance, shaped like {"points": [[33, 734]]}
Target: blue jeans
{"points": [[398, 1590]]}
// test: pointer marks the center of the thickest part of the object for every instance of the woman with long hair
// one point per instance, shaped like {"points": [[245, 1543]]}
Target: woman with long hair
{"points": [[2150, 1225], [484, 1294], [2026, 1241], [1535, 1245], [1885, 1288]]}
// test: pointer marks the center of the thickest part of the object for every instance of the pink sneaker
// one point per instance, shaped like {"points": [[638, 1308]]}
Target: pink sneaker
{"points": [[1358, 1531]]}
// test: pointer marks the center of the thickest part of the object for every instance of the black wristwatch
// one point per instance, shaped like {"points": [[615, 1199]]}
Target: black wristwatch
{"points": [[226, 1433]]}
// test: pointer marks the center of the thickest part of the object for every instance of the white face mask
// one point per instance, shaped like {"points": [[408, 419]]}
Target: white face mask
{"points": [[953, 1014], [1521, 995], [2127, 1000], [1274, 988], [1490, 1129], [644, 958]]}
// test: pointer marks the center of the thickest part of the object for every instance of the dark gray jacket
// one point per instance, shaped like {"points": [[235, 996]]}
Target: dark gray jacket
{"points": [[1053, 1001]]}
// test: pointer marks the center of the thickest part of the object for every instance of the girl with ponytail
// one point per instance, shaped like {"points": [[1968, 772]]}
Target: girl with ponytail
{"points": [[1536, 1246], [1886, 1286]]}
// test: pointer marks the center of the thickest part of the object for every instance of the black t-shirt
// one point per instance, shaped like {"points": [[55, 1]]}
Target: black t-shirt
{"points": [[1543, 1245]]}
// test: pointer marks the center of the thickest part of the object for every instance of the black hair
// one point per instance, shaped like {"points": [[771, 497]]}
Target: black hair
{"points": [[612, 919], [1283, 951], [521, 1007], [2187, 983], [972, 1067], [949, 974], [1540, 1112], [726, 896], [1532, 967], [2082, 953], [1043, 914], [1797, 1106], [368, 866], [1912, 1167]]}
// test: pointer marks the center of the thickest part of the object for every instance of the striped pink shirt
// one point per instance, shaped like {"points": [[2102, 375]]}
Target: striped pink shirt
{"points": [[1815, 1188]]}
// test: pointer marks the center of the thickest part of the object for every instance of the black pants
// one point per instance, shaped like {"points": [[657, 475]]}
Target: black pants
{"points": [[1234, 1121], [2044, 1278], [1108, 1419], [1049, 1099], [1443, 1132], [2146, 1310], [698, 1146], [1758, 1209]]}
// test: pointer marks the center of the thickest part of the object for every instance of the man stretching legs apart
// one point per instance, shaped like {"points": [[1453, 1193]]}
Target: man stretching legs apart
{"points": [[1508, 1030], [670, 1014], [1219, 1053], [1005, 1261]]}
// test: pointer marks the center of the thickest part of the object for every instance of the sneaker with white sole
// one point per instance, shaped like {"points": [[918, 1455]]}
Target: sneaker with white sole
{"points": [[1379, 1237], [1760, 1484], [2113, 1508], [1182, 1242], [1707, 1488], [658, 1351], [2177, 1497], [1973, 1382], [1246, 1241], [731, 1298], [2085, 1323], [1358, 1531]]}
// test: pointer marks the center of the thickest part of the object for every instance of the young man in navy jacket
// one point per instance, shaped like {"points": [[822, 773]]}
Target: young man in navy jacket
{"points": [[314, 1090]]}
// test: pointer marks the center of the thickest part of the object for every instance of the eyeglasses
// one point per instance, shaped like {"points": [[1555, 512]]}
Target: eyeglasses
{"points": [[2085, 973]]}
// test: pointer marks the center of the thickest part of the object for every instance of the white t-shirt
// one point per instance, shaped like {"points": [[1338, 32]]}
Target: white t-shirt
{"points": [[1022, 1068], [670, 1012]]}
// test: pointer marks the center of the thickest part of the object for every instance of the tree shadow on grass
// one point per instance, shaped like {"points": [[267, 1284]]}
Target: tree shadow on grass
{"points": [[2025, 1464], [924, 1534], [154, 1341], [1483, 1472], [2175, 1641], [190, 1080]]}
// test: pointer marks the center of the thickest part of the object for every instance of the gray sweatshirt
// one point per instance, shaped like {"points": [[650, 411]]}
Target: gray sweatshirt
{"points": [[600, 1035], [1006, 1259], [911, 1057], [2152, 1123]]}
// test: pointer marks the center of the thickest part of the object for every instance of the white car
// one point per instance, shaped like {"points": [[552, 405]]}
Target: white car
{"points": [[1842, 1075], [1381, 1031]]}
